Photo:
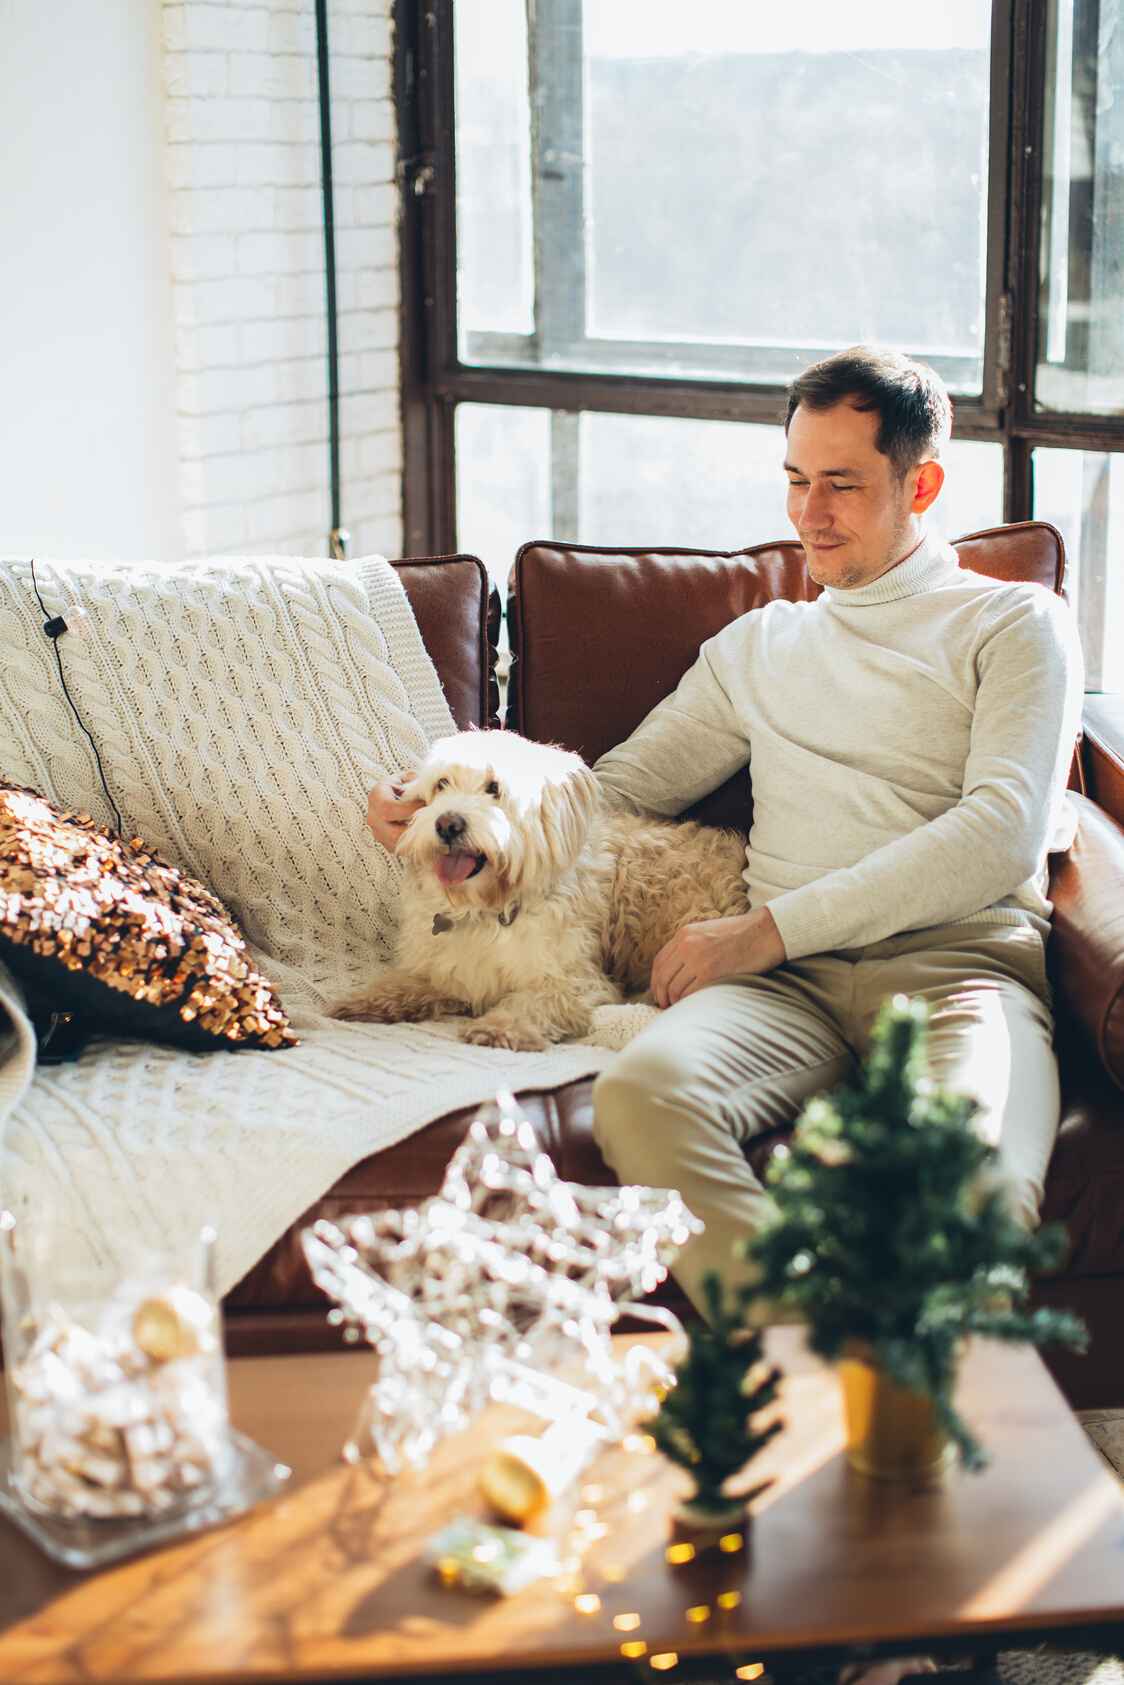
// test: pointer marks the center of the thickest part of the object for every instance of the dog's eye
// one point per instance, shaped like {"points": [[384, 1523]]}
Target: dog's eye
{"points": [[492, 789], [441, 784]]}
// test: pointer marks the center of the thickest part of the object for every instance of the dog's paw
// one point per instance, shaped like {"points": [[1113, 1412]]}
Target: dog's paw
{"points": [[366, 1009], [504, 1032], [398, 998]]}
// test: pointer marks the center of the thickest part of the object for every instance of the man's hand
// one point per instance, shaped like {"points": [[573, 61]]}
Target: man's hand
{"points": [[387, 814], [703, 953]]}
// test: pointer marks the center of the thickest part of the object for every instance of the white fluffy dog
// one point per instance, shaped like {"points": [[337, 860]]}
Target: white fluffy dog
{"points": [[527, 905]]}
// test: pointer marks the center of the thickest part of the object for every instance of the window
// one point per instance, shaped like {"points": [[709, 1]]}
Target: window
{"points": [[1082, 494], [663, 188], [633, 221]]}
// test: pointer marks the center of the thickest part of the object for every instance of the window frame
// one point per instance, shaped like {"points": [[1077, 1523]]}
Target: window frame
{"points": [[435, 380]]}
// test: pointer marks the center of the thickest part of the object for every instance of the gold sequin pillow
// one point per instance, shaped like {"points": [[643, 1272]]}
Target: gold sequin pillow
{"points": [[105, 930]]}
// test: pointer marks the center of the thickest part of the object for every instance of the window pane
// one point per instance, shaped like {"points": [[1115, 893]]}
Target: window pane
{"points": [[972, 495], [1081, 320], [503, 482], [731, 191], [1082, 494], [720, 485], [660, 480], [495, 265], [636, 480], [819, 181]]}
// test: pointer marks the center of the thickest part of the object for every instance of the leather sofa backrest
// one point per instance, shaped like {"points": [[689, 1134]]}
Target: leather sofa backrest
{"points": [[1030, 550], [599, 636], [458, 616]]}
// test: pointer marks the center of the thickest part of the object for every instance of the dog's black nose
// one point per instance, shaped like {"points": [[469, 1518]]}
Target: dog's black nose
{"points": [[450, 826]]}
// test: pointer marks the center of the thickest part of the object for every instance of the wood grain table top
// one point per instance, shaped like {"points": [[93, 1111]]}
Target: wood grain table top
{"points": [[326, 1581]]}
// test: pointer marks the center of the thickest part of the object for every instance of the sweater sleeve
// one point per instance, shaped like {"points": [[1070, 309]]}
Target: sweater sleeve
{"points": [[688, 745], [995, 838]]}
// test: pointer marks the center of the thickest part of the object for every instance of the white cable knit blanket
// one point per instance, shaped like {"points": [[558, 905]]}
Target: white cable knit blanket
{"points": [[242, 709]]}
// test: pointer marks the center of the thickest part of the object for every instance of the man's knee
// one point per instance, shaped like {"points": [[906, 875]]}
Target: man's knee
{"points": [[627, 1114], [649, 1126], [644, 1080]]}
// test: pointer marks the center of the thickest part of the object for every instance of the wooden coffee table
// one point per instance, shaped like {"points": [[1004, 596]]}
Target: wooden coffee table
{"points": [[325, 1582]]}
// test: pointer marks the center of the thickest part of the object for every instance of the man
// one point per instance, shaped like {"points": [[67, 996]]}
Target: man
{"points": [[909, 736]]}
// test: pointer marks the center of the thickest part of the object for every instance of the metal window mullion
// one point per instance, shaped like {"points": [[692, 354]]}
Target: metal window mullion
{"points": [[554, 36], [1059, 106], [1023, 196], [557, 173], [1092, 586], [995, 393]]}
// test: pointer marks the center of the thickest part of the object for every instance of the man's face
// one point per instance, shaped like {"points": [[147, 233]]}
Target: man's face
{"points": [[855, 520]]}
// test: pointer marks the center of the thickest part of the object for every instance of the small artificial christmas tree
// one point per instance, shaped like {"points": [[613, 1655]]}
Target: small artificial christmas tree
{"points": [[705, 1422], [888, 1241]]}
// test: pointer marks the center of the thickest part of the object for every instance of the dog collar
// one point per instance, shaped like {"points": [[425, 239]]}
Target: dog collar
{"points": [[442, 922]]}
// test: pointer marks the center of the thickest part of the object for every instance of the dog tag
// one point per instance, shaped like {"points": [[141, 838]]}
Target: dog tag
{"points": [[441, 923]]}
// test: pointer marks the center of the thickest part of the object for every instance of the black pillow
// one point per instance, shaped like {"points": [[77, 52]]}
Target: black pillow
{"points": [[109, 934]]}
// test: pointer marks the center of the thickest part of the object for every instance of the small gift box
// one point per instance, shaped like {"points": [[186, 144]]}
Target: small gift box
{"points": [[117, 1401]]}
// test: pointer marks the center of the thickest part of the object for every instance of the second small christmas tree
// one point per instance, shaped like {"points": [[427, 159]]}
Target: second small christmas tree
{"points": [[706, 1421]]}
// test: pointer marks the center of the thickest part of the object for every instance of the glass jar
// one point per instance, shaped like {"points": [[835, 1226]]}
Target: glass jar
{"points": [[116, 1386]]}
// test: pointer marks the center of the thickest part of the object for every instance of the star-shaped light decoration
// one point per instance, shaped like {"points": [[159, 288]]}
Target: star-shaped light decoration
{"points": [[504, 1286]]}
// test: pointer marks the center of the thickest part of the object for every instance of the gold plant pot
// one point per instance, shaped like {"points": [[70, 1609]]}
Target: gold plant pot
{"points": [[724, 1529], [892, 1432]]}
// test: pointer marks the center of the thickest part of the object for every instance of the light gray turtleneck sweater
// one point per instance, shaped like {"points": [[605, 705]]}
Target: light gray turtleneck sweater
{"points": [[909, 743]]}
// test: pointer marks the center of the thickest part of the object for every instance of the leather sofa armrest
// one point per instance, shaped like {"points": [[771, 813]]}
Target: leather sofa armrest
{"points": [[457, 611], [1104, 753], [1087, 944]]}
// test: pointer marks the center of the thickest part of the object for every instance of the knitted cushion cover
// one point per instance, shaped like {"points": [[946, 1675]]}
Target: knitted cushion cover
{"points": [[241, 709], [106, 932]]}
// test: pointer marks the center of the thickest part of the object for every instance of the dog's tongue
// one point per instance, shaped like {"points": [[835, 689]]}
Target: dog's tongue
{"points": [[455, 866]]}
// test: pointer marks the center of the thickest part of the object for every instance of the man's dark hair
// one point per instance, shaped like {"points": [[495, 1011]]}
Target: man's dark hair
{"points": [[912, 404]]}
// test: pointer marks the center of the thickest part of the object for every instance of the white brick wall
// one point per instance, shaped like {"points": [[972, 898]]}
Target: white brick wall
{"points": [[248, 274]]}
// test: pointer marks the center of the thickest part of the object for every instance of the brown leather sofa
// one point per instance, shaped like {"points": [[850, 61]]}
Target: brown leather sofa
{"points": [[598, 637]]}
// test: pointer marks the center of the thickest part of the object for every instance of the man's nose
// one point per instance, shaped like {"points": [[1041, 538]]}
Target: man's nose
{"points": [[450, 826], [815, 512]]}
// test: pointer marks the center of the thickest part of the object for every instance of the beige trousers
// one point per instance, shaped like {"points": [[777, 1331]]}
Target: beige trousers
{"points": [[741, 1056]]}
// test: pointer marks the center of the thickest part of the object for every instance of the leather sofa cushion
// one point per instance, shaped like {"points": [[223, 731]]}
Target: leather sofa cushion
{"points": [[1086, 948], [458, 616]]}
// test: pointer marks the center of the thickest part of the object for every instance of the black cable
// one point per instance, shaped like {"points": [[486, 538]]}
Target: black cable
{"points": [[54, 626], [336, 537]]}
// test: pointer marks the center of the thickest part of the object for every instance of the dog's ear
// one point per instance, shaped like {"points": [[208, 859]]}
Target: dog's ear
{"points": [[568, 806]]}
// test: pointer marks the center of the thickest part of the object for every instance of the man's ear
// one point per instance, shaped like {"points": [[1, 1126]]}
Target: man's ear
{"points": [[930, 479]]}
